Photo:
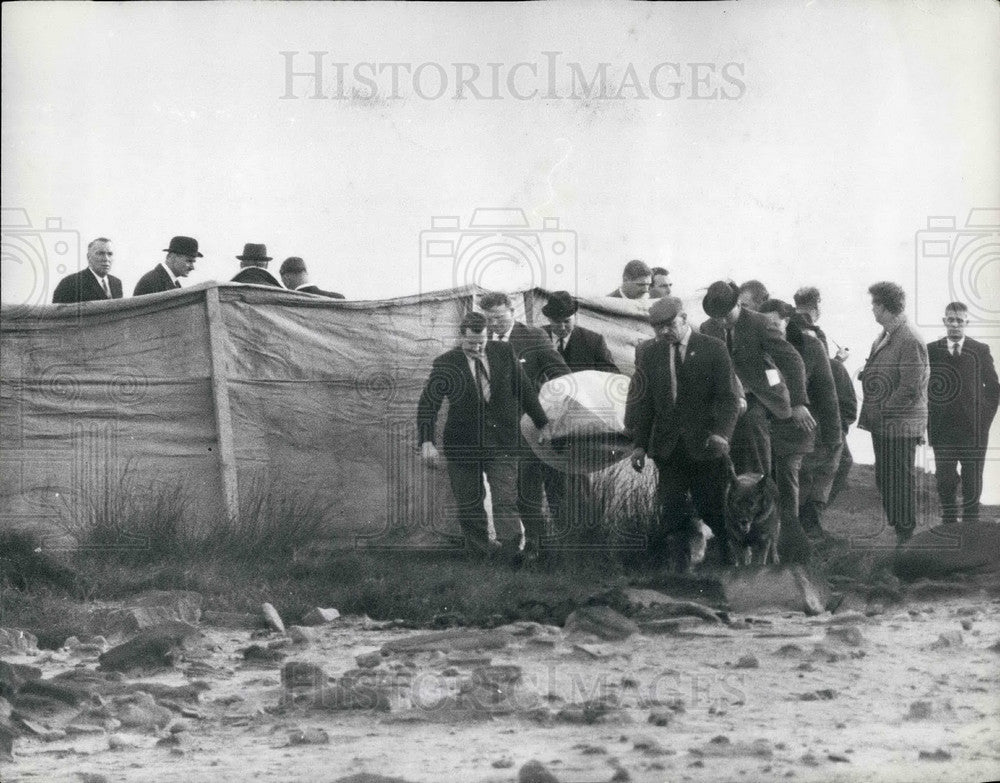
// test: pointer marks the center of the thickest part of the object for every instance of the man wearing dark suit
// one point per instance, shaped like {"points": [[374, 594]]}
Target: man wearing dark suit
{"points": [[181, 255], [295, 276], [541, 362], [253, 267], [894, 409], [92, 284], [804, 462], [807, 312], [682, 408], [770, 369], [487, 390], [637, 278], [962, 401], [580, 348]]}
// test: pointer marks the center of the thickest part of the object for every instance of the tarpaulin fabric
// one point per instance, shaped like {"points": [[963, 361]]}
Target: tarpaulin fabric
{"points": [[315, 396]]}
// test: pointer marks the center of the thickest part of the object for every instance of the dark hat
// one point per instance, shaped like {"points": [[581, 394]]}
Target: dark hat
{"points": [[560, 305], [184, 246], [665, 309], [720, 299], [252, 252]]}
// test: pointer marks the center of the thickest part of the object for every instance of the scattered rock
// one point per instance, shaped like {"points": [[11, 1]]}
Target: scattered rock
{"points": [[966, 625], [44, 733], [14, 641], [747, 662], [823, 694], [256, 653], [308, 737], [368, 660], [836, 757], [948, 640], [14, 675], [503, 763], [296, 674], [534, 772], [348, 695], [850, 635], [142, 712], [601, 621], [146, 610], [650, 746], [961, 547], [302, 634], [119, 742], [779, 588], [449, 641], [91, 777], [721, 745], [272, 617], [499, 677], [934, 755], [790, 651], [660, 605], [920, 710], [601, 710], [156, 646], [660, 718], [320, 616]]}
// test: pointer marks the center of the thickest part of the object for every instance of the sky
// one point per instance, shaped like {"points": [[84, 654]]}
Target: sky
{"points": [[797, 143]]}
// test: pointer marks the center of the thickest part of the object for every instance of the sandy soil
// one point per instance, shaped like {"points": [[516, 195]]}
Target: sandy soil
{"points": [[810, 701]]}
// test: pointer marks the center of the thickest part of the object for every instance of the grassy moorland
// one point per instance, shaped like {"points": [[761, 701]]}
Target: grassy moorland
{"points": [[128, 544]]}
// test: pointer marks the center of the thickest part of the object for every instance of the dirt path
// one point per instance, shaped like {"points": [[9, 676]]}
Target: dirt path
{"points": [[830, 698]]}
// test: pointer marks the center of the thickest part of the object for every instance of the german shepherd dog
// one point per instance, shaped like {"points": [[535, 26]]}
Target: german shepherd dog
{"points": [[753, 522]]}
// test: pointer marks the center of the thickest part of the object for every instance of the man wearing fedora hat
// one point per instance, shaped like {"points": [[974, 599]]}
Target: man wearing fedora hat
{"points": [[295, 276], [580, 348], [770, 369], [253, 265], [181, 255], [682, 407]]}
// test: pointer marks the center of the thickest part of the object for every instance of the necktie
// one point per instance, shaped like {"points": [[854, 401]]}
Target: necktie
{"points": [[562, 347], [104, 285], [955, 350], [674, 364], [483, 379], [729, 340]]}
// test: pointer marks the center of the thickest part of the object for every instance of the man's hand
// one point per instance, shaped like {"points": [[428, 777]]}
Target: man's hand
{"points": [[803, 418], [429, 454], [638, 458], [545, 434], [842, 353], [741, 406], [716, 446]]}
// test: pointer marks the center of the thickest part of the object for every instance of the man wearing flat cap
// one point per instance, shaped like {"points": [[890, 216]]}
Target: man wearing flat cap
{"points": [[253, 265], [580, 348], [295, 276], [770, 369], [181, 255], [682, 407]]}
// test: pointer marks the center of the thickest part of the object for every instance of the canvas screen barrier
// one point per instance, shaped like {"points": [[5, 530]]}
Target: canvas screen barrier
{"points": [[231, 389]]}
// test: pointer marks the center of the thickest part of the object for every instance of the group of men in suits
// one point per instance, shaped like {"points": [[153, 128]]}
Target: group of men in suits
{"points": [[752, 390], [96, 283]]}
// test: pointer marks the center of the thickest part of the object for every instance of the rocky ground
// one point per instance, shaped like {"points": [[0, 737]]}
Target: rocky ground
{"points": [[654, 689]]}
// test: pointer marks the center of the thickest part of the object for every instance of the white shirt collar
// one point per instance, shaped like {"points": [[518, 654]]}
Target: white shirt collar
{"points": [[952, 343], [173, 277], [100, 280], [505, 336], [636, 299]]}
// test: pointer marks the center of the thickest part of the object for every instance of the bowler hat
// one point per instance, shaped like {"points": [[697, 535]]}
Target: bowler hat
{"points": [[720, 299], [184, 246], [252, 252], [665, 309], [561, 305]]}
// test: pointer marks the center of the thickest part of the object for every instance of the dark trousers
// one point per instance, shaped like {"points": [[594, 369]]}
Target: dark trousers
{"points": [[751, 444], [705, 480], [530, 489], [843, 472], [947, 461], [894, 455], [466, 476], [793, 545]]}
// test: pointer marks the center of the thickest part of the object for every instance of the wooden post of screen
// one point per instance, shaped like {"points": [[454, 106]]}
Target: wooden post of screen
{"points": [[220, 399]]}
